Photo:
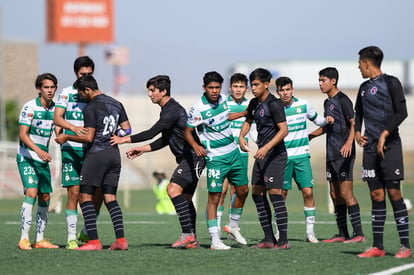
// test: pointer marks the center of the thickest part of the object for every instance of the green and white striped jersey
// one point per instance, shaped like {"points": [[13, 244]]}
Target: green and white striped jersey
{"points": [[297, 142], [70, 100], [213, 127], [236, 124], [40, 123]]}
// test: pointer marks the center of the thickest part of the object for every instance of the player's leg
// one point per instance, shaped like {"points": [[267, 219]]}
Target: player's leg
{"points": [[220, 207], [353, 211]]}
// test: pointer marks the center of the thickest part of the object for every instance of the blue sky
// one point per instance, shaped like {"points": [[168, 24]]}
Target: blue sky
{"points": [[186, 38]]}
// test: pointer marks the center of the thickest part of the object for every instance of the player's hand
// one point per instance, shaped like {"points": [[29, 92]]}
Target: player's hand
{"points": [[60, 139], [200, 151], [79, 131], [261, 153], [330, 120], [133, 153], [44, 156], [361, 140], [243, 145], [118, 140], [381, 148]]}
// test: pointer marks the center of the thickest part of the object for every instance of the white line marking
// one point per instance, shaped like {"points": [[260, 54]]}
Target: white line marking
{"points": [[394, 270]]}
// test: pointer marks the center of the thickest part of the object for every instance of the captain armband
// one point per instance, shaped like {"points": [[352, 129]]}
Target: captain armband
{"points": [[122, 132]]}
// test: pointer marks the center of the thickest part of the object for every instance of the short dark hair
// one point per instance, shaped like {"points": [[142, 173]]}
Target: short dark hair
{"points": [[86, 81], [161, 82], [238, 77], [83, 61], [283, 81], [260, 74], [212, 77], [373, 54], [41, 77], [331, 73]]}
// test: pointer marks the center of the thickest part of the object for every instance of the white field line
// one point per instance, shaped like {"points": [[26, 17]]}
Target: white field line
{"points": [[394, 270]]}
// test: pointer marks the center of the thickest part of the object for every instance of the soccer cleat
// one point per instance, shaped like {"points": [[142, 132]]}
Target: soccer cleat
{"points": [[372, 252], [44, 244], [72, 244], [83, 237], [404, 252], [284, 246], [234, 233], [119, 244], [193, 245], [310, 237], [91, 245], [335, 239], [263, 244], [219, 245], [355, 239], [183, 240], [24, 244]]}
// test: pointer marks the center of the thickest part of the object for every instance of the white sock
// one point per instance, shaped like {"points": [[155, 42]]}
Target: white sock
{"points": [[214, 234], [309, 220], [71, 221], [26, 220], [41, 221]]}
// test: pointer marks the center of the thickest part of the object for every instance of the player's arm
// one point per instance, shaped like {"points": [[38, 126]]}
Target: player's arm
{"points": [[59, 120], [346, 149], [25, 138], [85, 138], [188, 136], [234, 116], [243, 132], [280, 135]]}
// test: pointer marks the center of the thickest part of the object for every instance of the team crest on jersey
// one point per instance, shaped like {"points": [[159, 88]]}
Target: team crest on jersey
{"points": [[331, 107], [298, 110], [373, 90], [261, 113]]}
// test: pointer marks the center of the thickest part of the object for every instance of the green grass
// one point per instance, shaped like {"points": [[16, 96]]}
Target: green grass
{"points": [[150, 236]]}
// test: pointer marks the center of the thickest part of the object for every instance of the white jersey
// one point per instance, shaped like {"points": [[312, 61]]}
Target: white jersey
{"points": [[40, 123], [297, 142], [235, 107], [70, 100], [213, 127]]}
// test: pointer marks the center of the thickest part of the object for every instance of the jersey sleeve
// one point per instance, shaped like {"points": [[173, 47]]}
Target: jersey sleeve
{"points": [[123, 115], [62, 101], [26, 115], [347, 107], [89, 117], [277, 111], [313, 116], [194, 117], [398, 102]]}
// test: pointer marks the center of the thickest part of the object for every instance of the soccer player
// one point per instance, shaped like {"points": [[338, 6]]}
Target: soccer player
{"points": [[237, 102], [298, 166], [381, 106], [68, 115], [35, 129], [210, 116], [270, 159], [103, 117], [183, 183], [340, 156]]}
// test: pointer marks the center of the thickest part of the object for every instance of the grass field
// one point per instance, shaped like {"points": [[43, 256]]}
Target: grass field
{"points": [[150, 236]]}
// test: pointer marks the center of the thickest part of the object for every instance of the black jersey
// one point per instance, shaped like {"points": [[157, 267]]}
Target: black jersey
{"points": [[267, 115], [171, 125], [341, 109], [103, 113], [381, 106]]}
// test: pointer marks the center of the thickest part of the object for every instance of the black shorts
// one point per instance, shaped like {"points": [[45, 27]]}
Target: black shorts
{"points": [[187, 174], [389, 168], [340, 170], [101, 168], [270, 171]]}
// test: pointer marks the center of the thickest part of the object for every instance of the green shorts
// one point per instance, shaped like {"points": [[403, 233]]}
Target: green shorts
{"points": [[301, 171], [35, 174], [231, 167], [72, 161]]}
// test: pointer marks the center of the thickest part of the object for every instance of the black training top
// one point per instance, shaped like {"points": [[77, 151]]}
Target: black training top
{"points": [[172, 122], [341, 109], [103, 113], [267, 115], [381, 106]]}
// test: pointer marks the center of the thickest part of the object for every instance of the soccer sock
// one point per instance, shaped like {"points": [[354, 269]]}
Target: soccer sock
{"points": [[265, 216], [281, 216], [193, 216], [116, 216], [401, 220], [89, 216], [213, 230], [26, 216], [71, 221], [340, 216], [41, 219], [220, 210], [378, 216], [84, 225], [310, 213], [183, 213], [355, 217], [235, 217]]}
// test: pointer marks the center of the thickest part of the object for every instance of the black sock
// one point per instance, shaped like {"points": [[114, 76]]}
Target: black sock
{"points": [[193, 215], [183, 213], [281, 217], [116, 217], [401, 220], [89, 216], [355, 217], [340, 216], [378, 216], [265, 216]]}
